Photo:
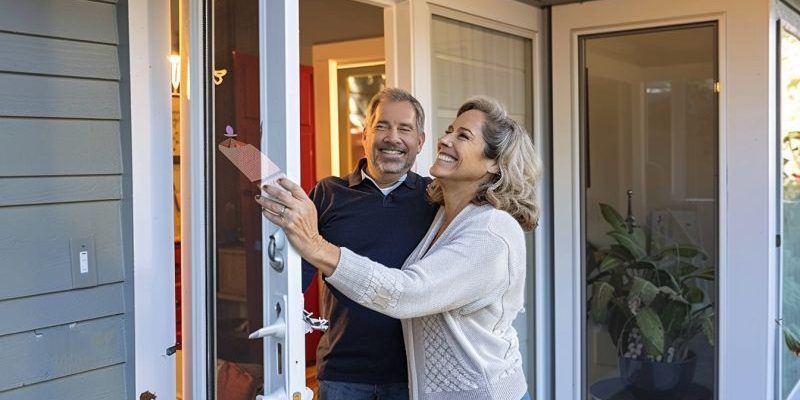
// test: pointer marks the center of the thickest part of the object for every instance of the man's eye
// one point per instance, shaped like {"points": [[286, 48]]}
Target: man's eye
{"points": [[381, 127]]}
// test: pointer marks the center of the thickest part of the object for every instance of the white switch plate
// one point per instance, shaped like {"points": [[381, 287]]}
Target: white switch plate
{"points": [[83, 260]]}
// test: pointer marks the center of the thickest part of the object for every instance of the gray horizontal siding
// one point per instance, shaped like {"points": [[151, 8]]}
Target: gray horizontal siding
{"points": [[49, 190], [78, 20], [34, 242], [64, 148], [60, 351], [37, 312], [55, 97], [100, 384], [36, 147], [47, 56]]}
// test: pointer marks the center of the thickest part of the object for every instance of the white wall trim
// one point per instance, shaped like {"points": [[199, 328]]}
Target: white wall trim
{"points": [[151, 146], [746, 334]]}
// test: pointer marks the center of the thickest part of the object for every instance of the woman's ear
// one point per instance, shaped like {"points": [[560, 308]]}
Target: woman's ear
{"points": [[493, 167]]}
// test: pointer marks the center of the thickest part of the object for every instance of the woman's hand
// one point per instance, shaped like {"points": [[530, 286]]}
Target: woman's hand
{"points": [[289, 207]]}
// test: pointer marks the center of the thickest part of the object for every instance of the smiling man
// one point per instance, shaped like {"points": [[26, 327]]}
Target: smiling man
{"points": [[380, 211]]}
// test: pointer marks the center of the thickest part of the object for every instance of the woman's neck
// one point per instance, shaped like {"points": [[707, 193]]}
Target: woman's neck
{"points": [[456, 196]]}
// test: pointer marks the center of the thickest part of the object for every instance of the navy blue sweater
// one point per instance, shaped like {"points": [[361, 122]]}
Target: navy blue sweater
{"points": [[364, 346]]}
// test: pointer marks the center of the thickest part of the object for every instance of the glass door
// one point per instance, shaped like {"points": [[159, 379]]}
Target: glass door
{"points": [[649, 164], [789, 201], [257, 275]]}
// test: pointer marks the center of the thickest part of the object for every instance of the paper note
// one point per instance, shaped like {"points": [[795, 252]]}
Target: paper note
{"points": [[256, 166]]}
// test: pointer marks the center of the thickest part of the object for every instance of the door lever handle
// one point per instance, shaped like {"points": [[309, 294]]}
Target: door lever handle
{"points": [[277, 241]]}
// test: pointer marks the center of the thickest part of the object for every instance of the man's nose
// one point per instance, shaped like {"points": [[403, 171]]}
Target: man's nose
{"points": [[392, 135]]}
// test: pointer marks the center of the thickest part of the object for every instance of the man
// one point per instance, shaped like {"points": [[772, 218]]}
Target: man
{"points": [[380, 211]]}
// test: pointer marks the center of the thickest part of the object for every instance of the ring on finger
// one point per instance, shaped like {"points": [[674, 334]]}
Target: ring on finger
{"points": [[283, 210]]}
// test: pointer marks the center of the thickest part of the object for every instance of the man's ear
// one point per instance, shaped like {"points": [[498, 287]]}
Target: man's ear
{"points": [[421, 141]]}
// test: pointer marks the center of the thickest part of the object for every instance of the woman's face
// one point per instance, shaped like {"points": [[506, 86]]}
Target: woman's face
{"points": [[461, 151]]}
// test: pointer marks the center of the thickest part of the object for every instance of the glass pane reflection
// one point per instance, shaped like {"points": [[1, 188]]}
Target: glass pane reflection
{"points": [[650, 159]]}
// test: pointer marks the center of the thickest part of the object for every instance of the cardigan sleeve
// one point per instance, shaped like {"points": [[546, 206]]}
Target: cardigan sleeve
{"points": [[471, 266]]}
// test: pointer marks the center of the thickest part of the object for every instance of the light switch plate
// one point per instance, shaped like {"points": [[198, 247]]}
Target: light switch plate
{"points": [[84, 262]]}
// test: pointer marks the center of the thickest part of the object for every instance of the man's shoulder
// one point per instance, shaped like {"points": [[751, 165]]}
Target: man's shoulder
{"points": [[424, 181], [330, 183]]}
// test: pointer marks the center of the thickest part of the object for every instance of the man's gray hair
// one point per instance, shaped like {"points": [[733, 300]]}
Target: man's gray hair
{"points": [[396, 95]]}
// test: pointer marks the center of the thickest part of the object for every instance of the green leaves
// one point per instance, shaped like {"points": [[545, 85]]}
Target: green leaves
{"points": [[708, 329], [638, 285], [683, 250], [708, 274], [642, 289], [612, 217], [627, 241], [652, 331], [601, 295], [609, 263], [792, 342]]}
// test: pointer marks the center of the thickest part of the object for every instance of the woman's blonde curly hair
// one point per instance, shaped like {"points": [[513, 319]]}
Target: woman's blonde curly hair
{"points": [[513, 187]]}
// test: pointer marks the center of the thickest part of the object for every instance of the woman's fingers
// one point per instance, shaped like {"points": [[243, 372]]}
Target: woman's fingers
{"points": [[280, 195], [293, 188]]}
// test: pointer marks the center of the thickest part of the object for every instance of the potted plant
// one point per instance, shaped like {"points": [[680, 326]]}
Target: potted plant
{"points": [[645, 294]]}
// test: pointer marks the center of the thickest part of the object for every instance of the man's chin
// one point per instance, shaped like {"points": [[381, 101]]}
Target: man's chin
{"points": [[398, 168]]}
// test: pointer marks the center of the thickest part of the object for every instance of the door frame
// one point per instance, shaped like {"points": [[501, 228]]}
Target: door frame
{"points": [[746, 327], [153, 242], [327, 59]]}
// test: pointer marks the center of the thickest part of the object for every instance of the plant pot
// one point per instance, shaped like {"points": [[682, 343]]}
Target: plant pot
{"points": [[657, 380]]}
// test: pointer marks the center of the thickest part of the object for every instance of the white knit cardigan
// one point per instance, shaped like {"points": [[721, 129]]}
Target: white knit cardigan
{"points": [[457, 301]]}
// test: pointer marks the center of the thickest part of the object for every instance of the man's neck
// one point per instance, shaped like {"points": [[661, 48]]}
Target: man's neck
{"points": [[383, 180]]}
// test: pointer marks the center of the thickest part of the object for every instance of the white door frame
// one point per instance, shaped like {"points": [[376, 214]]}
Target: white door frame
{"points": [[151, 147], [746, 275]]}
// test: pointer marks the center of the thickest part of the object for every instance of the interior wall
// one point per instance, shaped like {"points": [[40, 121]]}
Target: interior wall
{"points": [[326, 21]]}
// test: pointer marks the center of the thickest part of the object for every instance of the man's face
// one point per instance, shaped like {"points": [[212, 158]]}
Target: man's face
{"points": [[392, 142]]}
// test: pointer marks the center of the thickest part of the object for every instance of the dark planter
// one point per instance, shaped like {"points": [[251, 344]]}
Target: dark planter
{"points": [[657, 380]]}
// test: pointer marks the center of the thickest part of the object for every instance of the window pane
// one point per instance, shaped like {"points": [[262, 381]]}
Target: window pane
{"points": [[650, 159], [237, 221]]}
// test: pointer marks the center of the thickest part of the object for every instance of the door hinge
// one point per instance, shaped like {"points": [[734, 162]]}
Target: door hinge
{"points": [[717, 87], [778, 240]]}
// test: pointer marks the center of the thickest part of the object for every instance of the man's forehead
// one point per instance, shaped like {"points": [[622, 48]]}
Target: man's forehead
{"points": [[402, 110]]}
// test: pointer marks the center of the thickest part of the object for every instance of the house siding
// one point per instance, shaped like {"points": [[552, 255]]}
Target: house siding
{"points": [[64, 188]]}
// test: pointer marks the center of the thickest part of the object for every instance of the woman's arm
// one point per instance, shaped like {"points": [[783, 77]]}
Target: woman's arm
{"points": [[469, 269], [472, 266]]}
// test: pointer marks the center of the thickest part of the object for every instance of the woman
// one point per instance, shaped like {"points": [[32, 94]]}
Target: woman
{"points": [[460, 290]]}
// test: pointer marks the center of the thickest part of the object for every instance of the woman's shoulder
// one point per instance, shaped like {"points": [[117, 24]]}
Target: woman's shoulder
{"points": [[497, 221]]}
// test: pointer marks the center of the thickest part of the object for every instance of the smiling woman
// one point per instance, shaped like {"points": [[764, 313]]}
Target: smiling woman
{"points": [[486, 174]]}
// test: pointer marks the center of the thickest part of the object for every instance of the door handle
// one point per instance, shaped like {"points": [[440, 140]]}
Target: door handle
{"points": [[277, 241]]}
